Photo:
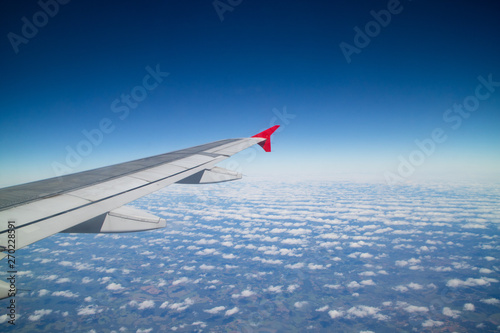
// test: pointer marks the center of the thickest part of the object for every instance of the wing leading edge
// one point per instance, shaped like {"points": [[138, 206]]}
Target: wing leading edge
{"points": [[91, 201]]}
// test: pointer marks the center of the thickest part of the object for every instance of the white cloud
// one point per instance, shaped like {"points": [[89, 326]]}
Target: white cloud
{"points": [[295, 266], [469, 307], [415, 286], [181, 280], [206, 267], [42, 292], [315, 267], [470, 282], [414, 308], [400, 288], [300, 304], [229, 256], [450, 313], [353, 284], [335, 314], [182, 305], [114, 286], [333, 286], [362, 311], [244, 293], [232, 311], [39, 314], [432, 323], [368, 282], [291, 288], [87, 311], [87, 280], [323, 308], [275, 289], [66, 293], [490, 301], [147, 304], [215, 310]]}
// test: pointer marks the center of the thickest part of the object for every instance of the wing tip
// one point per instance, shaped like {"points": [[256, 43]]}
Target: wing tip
{"points": [[266, 134]]}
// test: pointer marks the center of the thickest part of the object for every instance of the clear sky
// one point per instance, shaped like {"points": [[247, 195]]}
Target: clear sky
{"points": [[353, 84]]}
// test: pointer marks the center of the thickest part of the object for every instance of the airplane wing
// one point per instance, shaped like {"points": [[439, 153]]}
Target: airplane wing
{"points": [[92, 201]]}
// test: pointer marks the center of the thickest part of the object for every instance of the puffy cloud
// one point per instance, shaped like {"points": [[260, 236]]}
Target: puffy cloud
{"points": [[323, 308], [39, 314], [295, 266], [42, 292], [207, 251], [204, 241], [315, 267], [368, 282], [229, 256], [401, 263], [114, 286], [332, 286], [275, 289], [181, 280], [291, 288], [415, 286], [486, 271], [450, 313], [215, 310], [363, 311], [491, 301], [87, 280], [432, 323], [300, 304], [335, 314], [244, 293], [400, 288], [294, 241], [414, 308], [470, 282], [87, 310], [207, 267], [469, 307], [147, 304], [232, 311], [180, 306], [63, 280], [353, 284], [66, 293]]}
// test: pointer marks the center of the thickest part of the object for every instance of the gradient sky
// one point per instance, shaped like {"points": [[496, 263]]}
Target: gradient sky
{"points": [[235, 77]]}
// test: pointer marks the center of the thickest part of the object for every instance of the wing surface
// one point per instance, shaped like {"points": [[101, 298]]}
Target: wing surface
{"points": [[91, 201]]}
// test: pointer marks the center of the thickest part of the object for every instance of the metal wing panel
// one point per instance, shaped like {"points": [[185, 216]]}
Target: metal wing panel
{"points": [[43, 208]]}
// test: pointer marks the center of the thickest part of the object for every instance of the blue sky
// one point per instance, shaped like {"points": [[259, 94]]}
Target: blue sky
{"points": [[234, 77]]}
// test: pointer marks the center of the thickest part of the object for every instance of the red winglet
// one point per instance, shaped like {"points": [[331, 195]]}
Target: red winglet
{"points": [[266, 145]]}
